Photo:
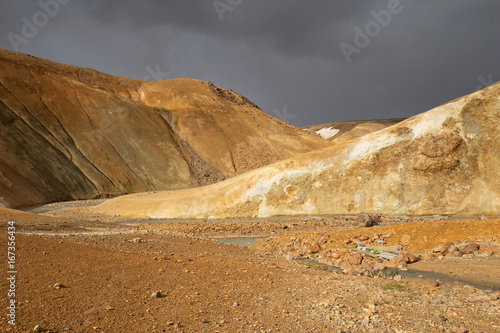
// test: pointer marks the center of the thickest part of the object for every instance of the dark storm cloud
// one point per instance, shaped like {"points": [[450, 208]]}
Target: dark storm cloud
{"points": [[284, 55]]}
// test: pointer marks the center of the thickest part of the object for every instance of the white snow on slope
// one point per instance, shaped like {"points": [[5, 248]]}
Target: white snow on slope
{"points": [[327, 132]]}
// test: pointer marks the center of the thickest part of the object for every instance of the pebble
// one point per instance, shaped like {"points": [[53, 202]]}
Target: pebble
{"points": [[157, 294]]}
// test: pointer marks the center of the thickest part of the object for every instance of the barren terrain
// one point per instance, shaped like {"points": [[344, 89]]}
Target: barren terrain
{"points": [[380, 226], [80, 273], [69, 133]]}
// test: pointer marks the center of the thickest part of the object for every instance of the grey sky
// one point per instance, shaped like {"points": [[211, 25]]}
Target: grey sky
{"points": [[280, 53]]}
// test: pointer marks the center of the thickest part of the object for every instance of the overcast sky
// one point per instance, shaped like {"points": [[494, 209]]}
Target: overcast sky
{"points": [[307, 62]]}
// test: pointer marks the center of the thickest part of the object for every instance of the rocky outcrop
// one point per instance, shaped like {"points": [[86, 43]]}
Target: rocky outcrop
{"points": [[444, 161]]}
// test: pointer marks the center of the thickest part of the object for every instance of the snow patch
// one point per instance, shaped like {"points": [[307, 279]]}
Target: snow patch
{"points": [[327, 132]]}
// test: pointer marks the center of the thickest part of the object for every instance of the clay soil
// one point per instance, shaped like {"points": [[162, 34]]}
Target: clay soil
{"points": [[81, 273]]}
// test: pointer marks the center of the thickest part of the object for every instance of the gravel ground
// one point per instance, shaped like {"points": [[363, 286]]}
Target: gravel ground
{"points": [[97, 276]]}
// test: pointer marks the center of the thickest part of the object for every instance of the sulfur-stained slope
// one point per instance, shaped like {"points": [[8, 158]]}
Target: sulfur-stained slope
{"points": [[224, 128], [444, 161], [74, 133], [63, 138]]}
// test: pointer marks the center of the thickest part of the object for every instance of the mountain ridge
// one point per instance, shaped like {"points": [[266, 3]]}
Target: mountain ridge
{"points": [[443, 161], [71, 133]]}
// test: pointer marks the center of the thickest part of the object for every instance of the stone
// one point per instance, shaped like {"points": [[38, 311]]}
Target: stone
{"points": [[313, 248], [364, 220], [377, 268], [355, 258], [58, 286], [335, 255], [406, 257], [470, 248], [462, 330], [204, 321], [445, 247], [364, 238], [157, 294], [37, 329], [437, 249], [137, 240]]}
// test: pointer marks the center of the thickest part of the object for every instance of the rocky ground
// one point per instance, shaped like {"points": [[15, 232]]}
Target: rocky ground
{"points": [[93, 274]]}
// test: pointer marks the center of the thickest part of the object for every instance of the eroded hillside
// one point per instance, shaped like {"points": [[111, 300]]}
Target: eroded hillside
{"points": [[444, 161], [75, 133]]}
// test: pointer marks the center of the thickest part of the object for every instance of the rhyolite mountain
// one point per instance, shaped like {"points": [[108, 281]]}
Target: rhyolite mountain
{"points": [[444, 161], [74, 133]]}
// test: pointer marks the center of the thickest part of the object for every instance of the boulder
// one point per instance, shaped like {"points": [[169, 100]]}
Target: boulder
{"points": [[355, 258], [406, 257], [470, 248]]}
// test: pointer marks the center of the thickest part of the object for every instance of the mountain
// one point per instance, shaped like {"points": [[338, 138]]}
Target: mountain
{"points": [[348, 130], [444, 161], [74, 133]]}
